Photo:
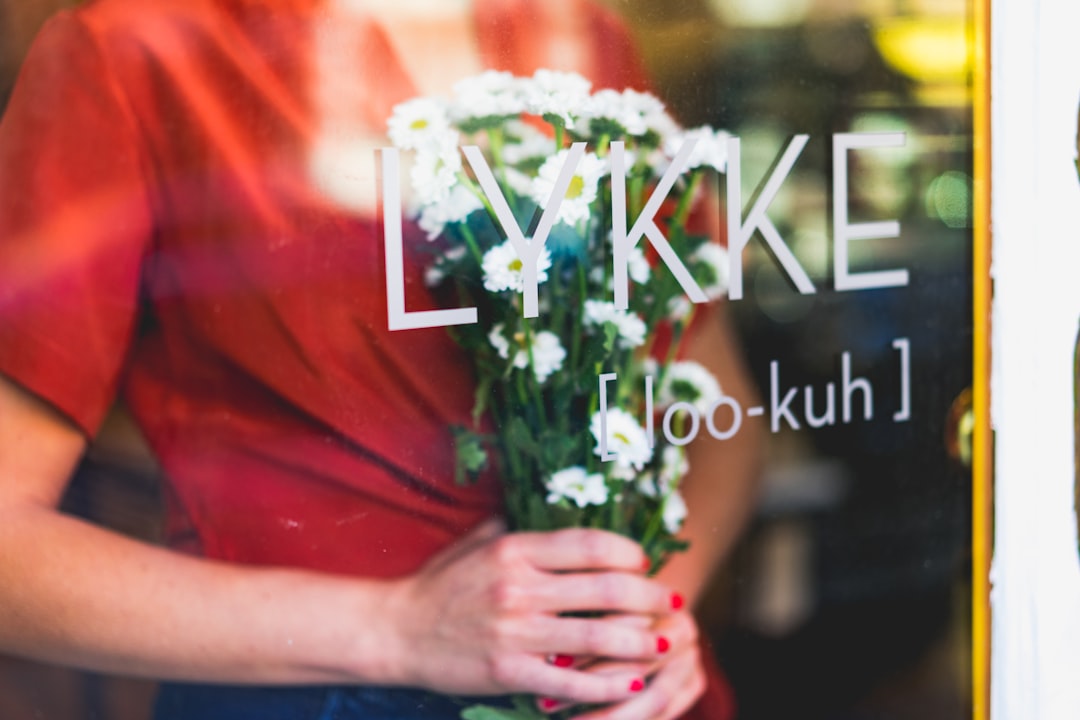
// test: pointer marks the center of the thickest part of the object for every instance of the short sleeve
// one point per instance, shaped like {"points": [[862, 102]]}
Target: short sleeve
{"points": [[74, 223]]}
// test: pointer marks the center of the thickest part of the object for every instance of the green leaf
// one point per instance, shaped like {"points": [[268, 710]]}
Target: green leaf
{"points": [[526, 705], [487, 712], [471, 457], [487, 122], [539, 517], [598, 350], [557, 446], [519, 436], [481, 396], [611, 332], [524, 709]]}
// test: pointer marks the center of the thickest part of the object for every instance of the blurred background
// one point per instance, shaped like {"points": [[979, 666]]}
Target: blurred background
{"points": [[849, 597]]}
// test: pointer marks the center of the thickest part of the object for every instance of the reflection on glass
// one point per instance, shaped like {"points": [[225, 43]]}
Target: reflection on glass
{"points": [[850, 597]]}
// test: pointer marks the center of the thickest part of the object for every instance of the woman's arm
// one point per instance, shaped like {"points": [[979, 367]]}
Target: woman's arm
{"points": [[74, 593], [480, 618], [721, 486]]}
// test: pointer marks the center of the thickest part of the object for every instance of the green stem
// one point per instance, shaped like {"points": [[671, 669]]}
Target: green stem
{"points": [[511, 484], [497, 139], [653, 527], [575, 338], [678, 335], [682, 210], [594, 406], [534, 382], [615, 519], [635, 201], [477, 191], [602, 145], [474, 246]]}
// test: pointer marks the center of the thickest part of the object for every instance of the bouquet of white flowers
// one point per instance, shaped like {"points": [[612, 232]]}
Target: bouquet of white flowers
{"points": [[577, 328]]}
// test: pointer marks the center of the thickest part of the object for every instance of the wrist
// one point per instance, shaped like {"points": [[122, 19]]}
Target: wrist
{"points": [[378, 651]]}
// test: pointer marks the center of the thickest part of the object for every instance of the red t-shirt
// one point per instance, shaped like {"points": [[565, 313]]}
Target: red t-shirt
{"points": [[161, 236]]}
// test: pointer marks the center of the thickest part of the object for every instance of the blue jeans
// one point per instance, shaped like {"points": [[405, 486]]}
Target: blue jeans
{"points": [[177, 701]]}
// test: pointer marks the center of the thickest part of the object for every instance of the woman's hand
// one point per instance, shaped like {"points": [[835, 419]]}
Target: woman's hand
{"points": [[674, 681], [485, 616]]}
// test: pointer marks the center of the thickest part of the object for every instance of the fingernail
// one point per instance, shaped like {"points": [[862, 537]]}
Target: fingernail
{"points": [[637, 685], [548, 703], [646, 565], [662, 644], [676, 601], [563, 661]]}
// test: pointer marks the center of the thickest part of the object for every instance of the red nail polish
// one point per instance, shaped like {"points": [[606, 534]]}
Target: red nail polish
{"points": [[637, 685], [676, 601], [548, 704], [662, 644], [646, 564], [563, 661]]}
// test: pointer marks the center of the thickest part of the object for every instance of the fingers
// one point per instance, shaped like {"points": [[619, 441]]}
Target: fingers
{"points": [[598, 667], [607, 591], [597, 637], [572, 571], [676, 678], [674, 688], [580, 549], [531, 673], [679, 628], [502, 604]]}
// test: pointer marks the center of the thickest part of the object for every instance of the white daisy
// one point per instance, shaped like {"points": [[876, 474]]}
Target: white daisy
{"points": [[679, 308], [499, 342], [715, 257], [637, 267], [577, 485], [557, 93], [490, 94], [673, 466], [436, 167], [664, 126], [458, 204], [414, 123], [503, 269], [529, 145], [517, 181], [674, 512], [690, 382], [548, 353], [631, 327], [436, 273], [579, 194], [626, 439], [710, 148], [636, 112]]}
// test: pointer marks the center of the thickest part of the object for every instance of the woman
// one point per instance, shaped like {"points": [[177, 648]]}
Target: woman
{"points": [[185, 218]]}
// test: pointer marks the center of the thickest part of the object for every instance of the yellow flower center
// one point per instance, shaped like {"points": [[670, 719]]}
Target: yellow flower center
{"points": [[621, 438], [577, 186], [418, 124], [515, 265]]}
